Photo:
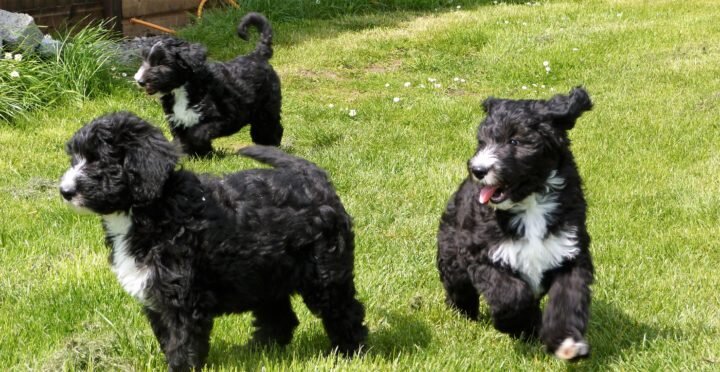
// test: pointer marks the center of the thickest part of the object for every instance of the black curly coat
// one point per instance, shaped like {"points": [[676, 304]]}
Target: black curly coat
{"points": [[192, 247], [206, 100], [515, 230]]}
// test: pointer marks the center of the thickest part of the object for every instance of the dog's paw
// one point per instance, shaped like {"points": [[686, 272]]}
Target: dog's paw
{"points": [[570, 349]]}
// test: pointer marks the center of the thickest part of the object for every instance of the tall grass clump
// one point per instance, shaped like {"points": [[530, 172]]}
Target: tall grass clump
{"points": [[81, 69]]}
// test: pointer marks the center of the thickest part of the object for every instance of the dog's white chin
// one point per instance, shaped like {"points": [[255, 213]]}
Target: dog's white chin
{"points": [[503, 205]]}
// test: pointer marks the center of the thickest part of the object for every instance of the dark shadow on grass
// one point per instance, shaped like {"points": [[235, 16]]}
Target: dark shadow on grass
{"points": [[398, 334], [611, 332], [401, 334], [216, 29]]}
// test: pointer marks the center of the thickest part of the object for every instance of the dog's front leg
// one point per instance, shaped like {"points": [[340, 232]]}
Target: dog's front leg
{"points": [[566, 314], [513, 305], [188, 340], [159, 327]]}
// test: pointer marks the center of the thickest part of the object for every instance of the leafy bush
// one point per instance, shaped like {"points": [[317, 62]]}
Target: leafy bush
{"points": [[81, 69]]}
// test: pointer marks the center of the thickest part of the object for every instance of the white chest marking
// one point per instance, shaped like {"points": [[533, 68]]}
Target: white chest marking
{"points": [[131, 275], [183, 115], [536, 252]]}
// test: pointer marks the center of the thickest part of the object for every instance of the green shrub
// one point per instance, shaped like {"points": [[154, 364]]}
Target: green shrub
{"points": [[81, 69]]}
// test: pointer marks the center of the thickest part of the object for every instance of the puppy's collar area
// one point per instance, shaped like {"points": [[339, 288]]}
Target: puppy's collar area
{"points": [[553, 184]]}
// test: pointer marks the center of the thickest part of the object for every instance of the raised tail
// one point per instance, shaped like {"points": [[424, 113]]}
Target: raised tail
{"points": [[264, 45], [271, 155]]}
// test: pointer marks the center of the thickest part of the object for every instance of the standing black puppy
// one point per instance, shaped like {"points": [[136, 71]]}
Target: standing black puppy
{"points": [[515, 230], [206, 100], [192, 247]]}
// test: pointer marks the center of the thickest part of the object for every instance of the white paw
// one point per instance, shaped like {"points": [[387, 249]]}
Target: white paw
{"points": [[571, 349]]}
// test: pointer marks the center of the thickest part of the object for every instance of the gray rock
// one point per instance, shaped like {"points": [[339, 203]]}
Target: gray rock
{"points": [[48, 47], [19, 30]]}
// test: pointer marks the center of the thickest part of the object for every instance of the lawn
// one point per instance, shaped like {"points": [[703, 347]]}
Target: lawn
{"points": [[648, 153]]}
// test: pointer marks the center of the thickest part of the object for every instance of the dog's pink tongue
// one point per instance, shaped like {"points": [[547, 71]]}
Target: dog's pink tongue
{"points": [[486, 193]]}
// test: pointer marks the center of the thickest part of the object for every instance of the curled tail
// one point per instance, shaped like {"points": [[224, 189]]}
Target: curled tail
{"points": [[277, 158], [264, 45]]}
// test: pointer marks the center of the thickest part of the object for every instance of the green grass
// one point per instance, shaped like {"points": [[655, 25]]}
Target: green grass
{"points": [[81, 69], [647, 152]]}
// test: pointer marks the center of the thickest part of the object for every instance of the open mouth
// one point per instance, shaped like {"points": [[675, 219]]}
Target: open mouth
{"points": [[149, 90], [495, 194]]}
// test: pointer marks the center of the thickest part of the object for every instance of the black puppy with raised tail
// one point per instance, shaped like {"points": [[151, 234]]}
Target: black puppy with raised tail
{"points": [[515, 229], [206, 100], [193, 247]]}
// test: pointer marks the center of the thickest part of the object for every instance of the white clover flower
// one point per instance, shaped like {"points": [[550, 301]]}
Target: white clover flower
{"points": [[124, 74], [387, 85], [407, 84], [432, 80], [331, 106], [546, 63], [14, 74], [396, 99], [456, 79], [18, 57], [422, 85], [8, 56], [437, 85], [113, 68], [458, 7], [535, 85], [619, 14], [547, 69], [575, 49], [524, 87], [506, 21], [352, 113], [462, 80], [542, 86]]}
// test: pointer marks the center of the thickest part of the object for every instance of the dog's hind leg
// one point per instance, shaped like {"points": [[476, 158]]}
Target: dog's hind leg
{"points": [[513, 305], [566, 314], [265, 128], [274, 322]]}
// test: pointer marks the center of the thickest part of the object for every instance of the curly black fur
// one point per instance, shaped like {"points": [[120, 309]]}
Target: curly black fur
{"points": [[192, 247], [515, 230], [206, 100]]}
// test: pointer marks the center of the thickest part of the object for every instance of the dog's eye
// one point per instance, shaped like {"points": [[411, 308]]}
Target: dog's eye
{"points": [[514, 142]]}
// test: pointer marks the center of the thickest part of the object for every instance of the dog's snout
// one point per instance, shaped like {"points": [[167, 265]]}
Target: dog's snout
{"points": [[67, 193], [141, 83], [479, 171]]}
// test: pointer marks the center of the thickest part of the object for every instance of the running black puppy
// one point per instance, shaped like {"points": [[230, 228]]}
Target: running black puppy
{"points": [[515, 230], [206, 100], [192, 247]]}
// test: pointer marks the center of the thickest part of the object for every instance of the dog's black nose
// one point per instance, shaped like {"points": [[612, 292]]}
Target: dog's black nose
{"points": [[141, 83], [67, 194], [479, 172]]}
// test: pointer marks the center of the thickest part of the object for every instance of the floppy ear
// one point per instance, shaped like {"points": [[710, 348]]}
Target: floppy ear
{"points": [[149, 160], [488, 104], [191, 56], [564, 110]]}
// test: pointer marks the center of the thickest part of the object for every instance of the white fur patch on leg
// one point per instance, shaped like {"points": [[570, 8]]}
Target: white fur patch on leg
{"points": [[571, 349]]}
